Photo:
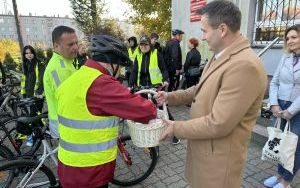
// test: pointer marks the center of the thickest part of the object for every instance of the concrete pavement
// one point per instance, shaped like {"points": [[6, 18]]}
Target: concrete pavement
{"points": [[169, 171]]}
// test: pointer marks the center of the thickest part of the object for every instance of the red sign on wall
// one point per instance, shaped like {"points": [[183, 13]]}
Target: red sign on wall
{"points": [[194, 6]]}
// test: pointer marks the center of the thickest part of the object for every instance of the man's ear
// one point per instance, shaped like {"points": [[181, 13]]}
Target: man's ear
{"points": [[55, 45], [224, 29]]}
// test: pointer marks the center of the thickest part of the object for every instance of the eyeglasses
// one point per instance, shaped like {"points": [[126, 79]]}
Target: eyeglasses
{"points": [[144, 44]]}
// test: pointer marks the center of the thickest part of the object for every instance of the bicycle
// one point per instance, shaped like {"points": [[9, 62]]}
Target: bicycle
{"points": [[9, 136], [20, 172], [28, 165]]}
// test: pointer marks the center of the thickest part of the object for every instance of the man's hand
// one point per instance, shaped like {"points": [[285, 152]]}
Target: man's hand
{"points": [[169, 132], [165, 84], [275, 110], [160, 98], [177, 72], [285, 114]]}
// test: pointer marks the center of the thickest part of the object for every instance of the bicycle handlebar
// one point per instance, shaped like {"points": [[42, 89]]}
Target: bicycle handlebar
{"points": [[29, 101], [146, 91]]}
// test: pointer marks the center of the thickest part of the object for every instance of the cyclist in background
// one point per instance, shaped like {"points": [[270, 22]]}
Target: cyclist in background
{"points": [[148, 67], [89, 104], [132, 52], [32, 81]]}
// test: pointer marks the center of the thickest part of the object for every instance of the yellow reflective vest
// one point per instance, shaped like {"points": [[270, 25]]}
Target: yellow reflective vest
{"points": [[57, 71], [154, 71], [133, 54], [85, 139], [23, 78]]}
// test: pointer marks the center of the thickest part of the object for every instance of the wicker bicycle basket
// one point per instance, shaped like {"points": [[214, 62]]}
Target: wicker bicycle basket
{"points": [[147, 135]]}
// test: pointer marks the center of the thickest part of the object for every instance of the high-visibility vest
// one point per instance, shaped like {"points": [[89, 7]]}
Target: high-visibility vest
{"points": [[84, 139], [57, 71], [23, 78], [133, 54], [154, 71]]}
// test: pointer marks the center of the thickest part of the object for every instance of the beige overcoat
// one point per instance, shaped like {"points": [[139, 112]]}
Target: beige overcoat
{"points": [[223, 112]]}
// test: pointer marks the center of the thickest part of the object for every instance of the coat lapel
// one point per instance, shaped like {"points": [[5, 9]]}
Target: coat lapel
{"points": [[238, 45]]}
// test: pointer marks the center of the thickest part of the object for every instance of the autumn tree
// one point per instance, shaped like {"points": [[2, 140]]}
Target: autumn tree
{"points": [[110, 27], [40, 54], [87, 14], [153, 15], [49, 53], [11, 46], [9, 62]]}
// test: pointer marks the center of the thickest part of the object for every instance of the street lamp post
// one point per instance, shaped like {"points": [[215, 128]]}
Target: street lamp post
{"points": [[20, 38]]}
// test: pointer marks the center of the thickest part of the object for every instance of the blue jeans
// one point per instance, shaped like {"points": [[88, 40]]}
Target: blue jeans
{"points": [[295, 128]]}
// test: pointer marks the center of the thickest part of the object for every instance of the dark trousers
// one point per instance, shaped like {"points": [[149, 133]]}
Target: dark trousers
{"points": [[191, 81], [174, 81]]}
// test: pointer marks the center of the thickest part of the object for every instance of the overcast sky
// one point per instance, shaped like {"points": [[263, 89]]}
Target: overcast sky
{"points": [[62, 7]]}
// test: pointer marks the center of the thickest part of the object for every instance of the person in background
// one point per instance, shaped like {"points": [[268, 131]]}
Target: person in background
{"points": [[61, 65], [193, 59], [173, 61], [154, 42], [33, 72], [132, 52], [224, 103], [148, 67], [90, 103], [285, 100], [32, 81], [81, 56], [173, 58]]}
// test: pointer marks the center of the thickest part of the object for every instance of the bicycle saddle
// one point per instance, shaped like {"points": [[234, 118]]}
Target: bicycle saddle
{"points": [[29, 120]]}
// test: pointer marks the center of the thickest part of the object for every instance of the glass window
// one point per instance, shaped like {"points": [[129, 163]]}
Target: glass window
{"points": [[273, 17]]}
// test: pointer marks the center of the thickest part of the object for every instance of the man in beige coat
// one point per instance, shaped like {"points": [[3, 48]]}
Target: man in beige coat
{"points": [[224, 103]]}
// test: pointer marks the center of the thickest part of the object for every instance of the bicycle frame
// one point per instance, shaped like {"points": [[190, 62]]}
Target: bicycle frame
{"points": [[46, 153]]}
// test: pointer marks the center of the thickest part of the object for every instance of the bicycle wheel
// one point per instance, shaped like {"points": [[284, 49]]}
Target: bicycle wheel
{"points": [[23, 170], [7, 176], [16, 141], [143, 163], [9, 136]]}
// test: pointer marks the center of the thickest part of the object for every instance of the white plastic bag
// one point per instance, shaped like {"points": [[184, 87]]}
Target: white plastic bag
{"points": [[281, 146]]}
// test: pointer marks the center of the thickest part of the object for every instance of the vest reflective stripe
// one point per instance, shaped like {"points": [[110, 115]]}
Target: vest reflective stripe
{"points": [[86, 139], [56, 78], [62, 64], [154, 71], [81, 124], [87, 148], [53, 122]]}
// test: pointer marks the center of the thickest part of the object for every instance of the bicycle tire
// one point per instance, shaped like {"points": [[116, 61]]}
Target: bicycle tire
{"points": [[23, 166], [122, 179], [17, 146], [6, 154]]}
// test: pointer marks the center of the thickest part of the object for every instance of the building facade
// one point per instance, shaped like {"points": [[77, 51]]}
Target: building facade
{"points": [[262, 22], [36, 30]]}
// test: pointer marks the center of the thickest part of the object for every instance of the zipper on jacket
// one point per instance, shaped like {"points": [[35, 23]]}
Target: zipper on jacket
{"points": [[212, 146]]}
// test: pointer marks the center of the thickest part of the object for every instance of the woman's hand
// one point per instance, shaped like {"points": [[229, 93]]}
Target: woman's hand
{"points": [[286, 115], [276, 110]]}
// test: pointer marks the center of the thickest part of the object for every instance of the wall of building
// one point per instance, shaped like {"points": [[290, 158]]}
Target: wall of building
{"points": [[181, 20], [36, 30]]}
